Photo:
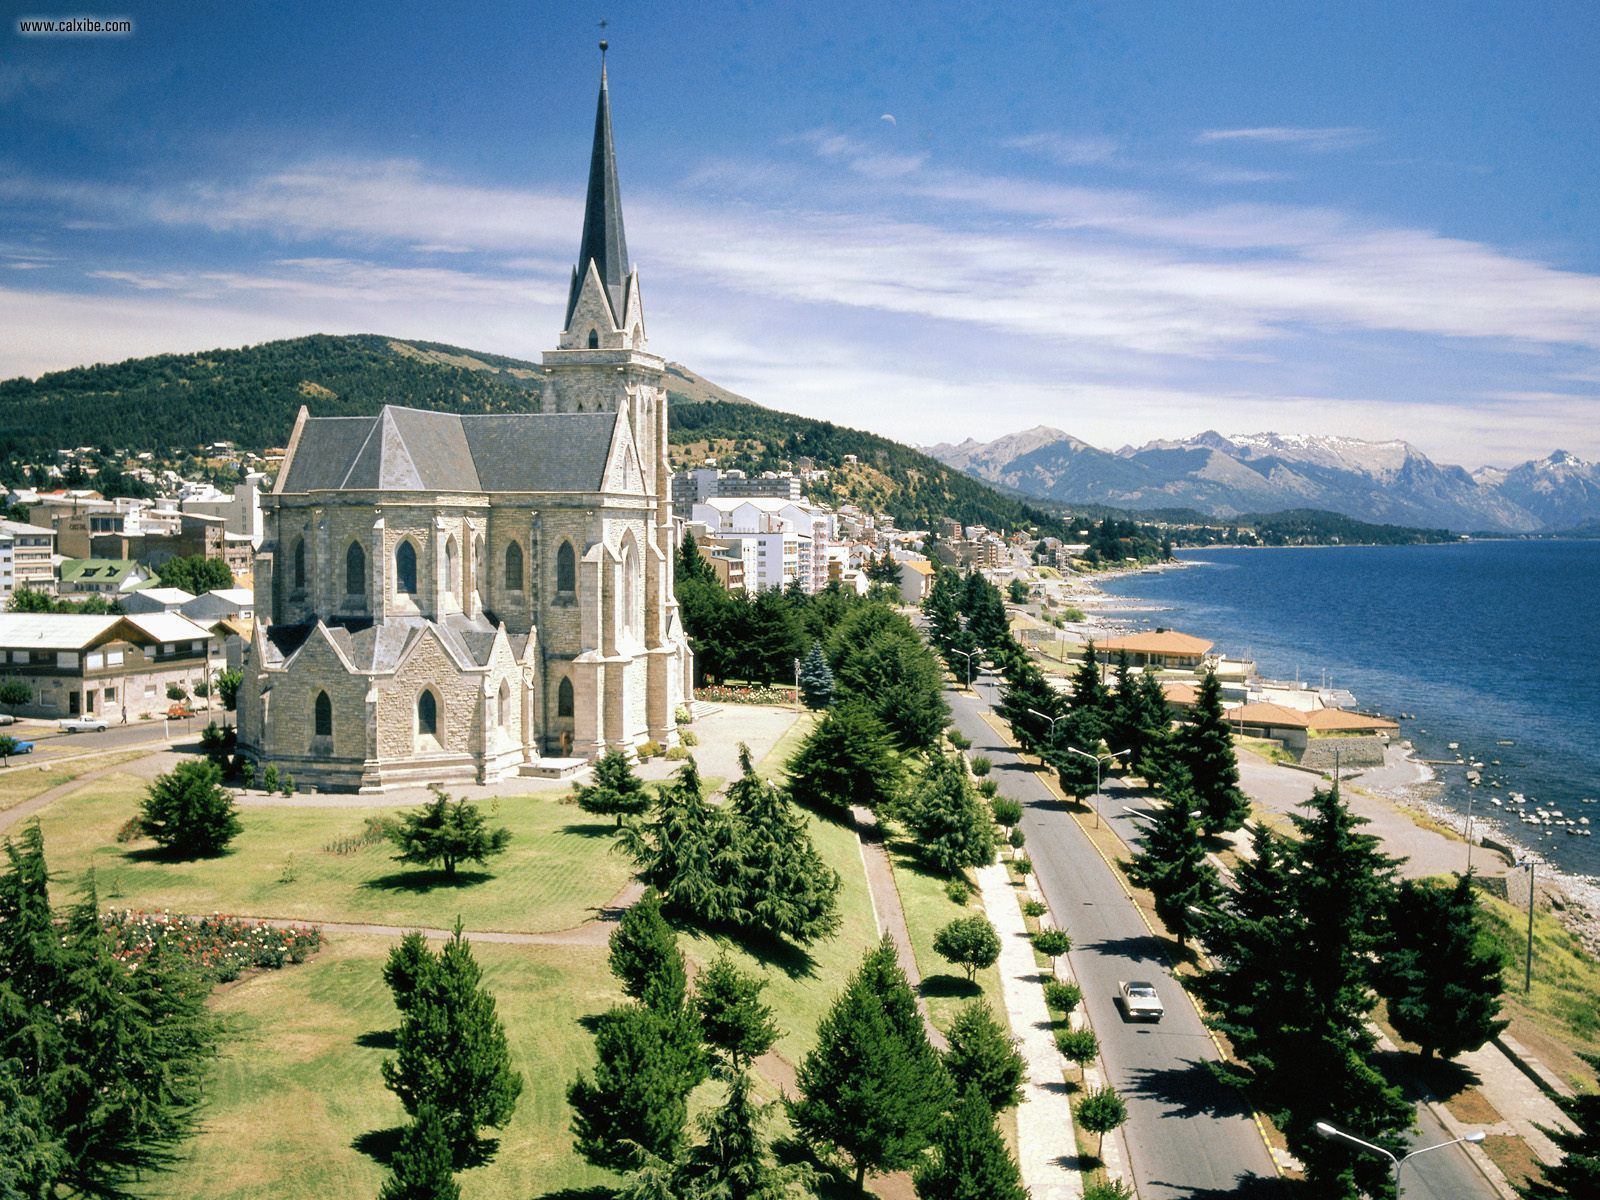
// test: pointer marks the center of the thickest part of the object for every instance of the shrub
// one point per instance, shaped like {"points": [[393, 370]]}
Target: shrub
{"points": [[217, 742], [987, 788], [246, 767], [175, 692], [681, 715], [650, 749], [981, 765], [1005, 810], [1052, 943], [1063, 997], [1023, 866], [677, 753], [688, 737], [969, 942], [1015, 837], [219, 948], [958, 739], [286, 785], [269, 778], [189, 811], [1035, 908], [1078, 1045], [1107, 1189], [130, 830], [958, 891]]}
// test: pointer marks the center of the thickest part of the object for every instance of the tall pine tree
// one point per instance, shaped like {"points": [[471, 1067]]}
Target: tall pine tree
{"points": [[1205, 748], [1171, 862], [970, 1159], [816, 679], [789, 891], [847, 759], [1578, 1173], [952, 829]]}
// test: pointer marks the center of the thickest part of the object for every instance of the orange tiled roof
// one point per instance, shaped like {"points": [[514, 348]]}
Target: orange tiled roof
{"points": [[1167, 642]]}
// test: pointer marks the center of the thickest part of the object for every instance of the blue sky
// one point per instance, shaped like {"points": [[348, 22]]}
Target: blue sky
{"points": [[1127, 220]]}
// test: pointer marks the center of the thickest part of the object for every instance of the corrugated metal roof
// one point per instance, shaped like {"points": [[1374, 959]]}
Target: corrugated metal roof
{"points": [[52, 631]]}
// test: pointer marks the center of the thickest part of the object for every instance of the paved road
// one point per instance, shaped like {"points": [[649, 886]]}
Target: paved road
{"points": [[1187, 1135]]}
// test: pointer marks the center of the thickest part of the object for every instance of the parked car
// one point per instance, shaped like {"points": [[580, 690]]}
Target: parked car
{"points": [[21, 747], [178, 710], [7, 719], [82, 725], [1139, 1001]]}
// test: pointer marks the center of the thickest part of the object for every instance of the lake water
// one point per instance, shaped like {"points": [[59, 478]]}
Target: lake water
{"points": [[1484, 642]]}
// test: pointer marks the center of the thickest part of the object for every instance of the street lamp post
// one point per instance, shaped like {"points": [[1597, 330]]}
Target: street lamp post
{"points": [[1469, 833], [1051, 736], [1329, 1131], [1098, 760], [797, 685], [1528, 864], [969, 655]]}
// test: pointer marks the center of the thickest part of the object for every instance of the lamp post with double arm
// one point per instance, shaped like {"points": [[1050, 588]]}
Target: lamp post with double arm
{"points": [[1329, 1131], [1099, 760]]}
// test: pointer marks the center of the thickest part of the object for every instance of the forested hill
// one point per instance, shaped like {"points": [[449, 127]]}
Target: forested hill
{"points": [[174, 403]]}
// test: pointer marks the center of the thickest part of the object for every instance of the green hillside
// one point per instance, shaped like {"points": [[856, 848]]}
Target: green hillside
{"points": [[173, 403]]}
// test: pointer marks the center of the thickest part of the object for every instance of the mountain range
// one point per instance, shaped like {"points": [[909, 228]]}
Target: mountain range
{"points": [[1390, 482]]}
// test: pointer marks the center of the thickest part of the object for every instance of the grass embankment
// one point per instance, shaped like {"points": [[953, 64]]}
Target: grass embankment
{"points": [[286, 862], [23, 779], [296, 1108], [928, 909]]}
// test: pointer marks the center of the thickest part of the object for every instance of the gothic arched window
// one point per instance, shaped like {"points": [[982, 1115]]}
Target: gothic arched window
{"points": [[324, 715], [594, 339], [629, 590], [564, 699], [355, 570], [505, 705], [428, 714], [566, 570], [452, 566], [513, 567], [405, 569], [299, 563]]}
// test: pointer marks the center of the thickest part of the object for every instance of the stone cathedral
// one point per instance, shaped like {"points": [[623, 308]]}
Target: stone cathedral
{"points": [[448, 597]]}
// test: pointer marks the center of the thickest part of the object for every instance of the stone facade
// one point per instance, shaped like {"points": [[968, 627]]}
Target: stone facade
{"points": [[445, 597]]}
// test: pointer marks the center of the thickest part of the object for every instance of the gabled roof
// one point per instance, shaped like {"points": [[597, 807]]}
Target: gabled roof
{"points": [[96, 570], [1339, 720], [1268, 714], [73, 631], [604, 242], [408, 449]]}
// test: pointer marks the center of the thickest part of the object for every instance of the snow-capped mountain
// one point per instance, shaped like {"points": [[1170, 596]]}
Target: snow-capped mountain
{"points": [[1388, 482]]}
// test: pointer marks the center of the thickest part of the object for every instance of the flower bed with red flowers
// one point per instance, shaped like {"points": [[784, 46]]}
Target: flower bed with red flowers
{"points": [[220, 947], [732, 694]]}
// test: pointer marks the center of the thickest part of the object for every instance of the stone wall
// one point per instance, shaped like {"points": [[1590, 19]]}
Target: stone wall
{"points": [[1353, 752]]}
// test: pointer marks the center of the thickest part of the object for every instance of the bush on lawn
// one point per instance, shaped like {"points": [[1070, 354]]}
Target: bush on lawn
{"points": [[188, 811]]}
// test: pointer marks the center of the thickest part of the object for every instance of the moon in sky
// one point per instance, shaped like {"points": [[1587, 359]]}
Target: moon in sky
{"points": [[889, 117]]}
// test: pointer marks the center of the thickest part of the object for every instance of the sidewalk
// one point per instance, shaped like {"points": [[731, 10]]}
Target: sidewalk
{"points": [[1046, 1149]]}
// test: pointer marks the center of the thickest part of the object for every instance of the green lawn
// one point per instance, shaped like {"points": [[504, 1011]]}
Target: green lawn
{"points": [[928, 909], [298, 1087], [559, 868], [24, 779]]}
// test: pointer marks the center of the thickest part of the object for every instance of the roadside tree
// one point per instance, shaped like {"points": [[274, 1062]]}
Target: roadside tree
{"points": [[970, 1159], [1205, 748], [845, 760], [983, 1057], [968, 942]]}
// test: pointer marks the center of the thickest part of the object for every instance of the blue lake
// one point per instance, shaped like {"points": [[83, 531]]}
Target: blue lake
{"points": [[1485, 642]]}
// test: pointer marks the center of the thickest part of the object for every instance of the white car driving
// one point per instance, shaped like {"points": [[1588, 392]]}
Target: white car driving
{"points": [[1139, 1001]]}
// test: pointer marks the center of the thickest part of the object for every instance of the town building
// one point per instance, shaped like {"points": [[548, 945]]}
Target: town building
{"points": [[118, 667], [700, 484], [27, 559], [445, 597], [240, 509], [156, 599], [108, 577]]}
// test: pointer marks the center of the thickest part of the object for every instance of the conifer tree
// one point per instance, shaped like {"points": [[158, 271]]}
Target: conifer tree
{"points": [[942, 607], [845, 760], [1080, 729], [1440, 972], [1205, 748], [893, 675], [614, 790], [983, 1057], [733, 1160], [188, 811], [1578, 1173], [448, 833], [970, 1161], [451, 1052], [645, 957], [788, 890], [1154, 741], [736, 1023], [872, 1087], [634, 1104], [1088, 689], [422, 1168], [816, 679], [688, 852], [1026, 695], [773, 638], [408, 962], [944, 815], [1171, 862]]}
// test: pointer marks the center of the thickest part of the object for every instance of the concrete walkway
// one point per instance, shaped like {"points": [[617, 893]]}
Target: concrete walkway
{"points": [[1046, 1149], [888, 913]]}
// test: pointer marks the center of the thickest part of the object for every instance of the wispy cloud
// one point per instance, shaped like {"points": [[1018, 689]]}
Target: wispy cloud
{"points": [[1341, 137], [1066, 149]]}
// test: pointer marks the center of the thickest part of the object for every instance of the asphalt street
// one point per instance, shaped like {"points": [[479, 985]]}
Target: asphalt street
{"points": [[1187, 1134]]}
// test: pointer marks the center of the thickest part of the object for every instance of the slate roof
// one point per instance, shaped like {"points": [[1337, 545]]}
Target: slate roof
{"points": [[604, 240], [408, 449], [379, 646]]}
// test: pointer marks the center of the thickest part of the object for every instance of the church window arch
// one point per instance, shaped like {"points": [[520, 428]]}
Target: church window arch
{"points": [[427, 713], [566, 571], [323, 716], [480, 569], [514, 567], [504, 705], [630, 619], [405, 568], [452, 566], [638, 337], [299, 563], [355, 570], [564, 705], [594, 339]]}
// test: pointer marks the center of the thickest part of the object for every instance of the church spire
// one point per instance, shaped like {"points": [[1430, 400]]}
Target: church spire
{"points": [[604, 242]]}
